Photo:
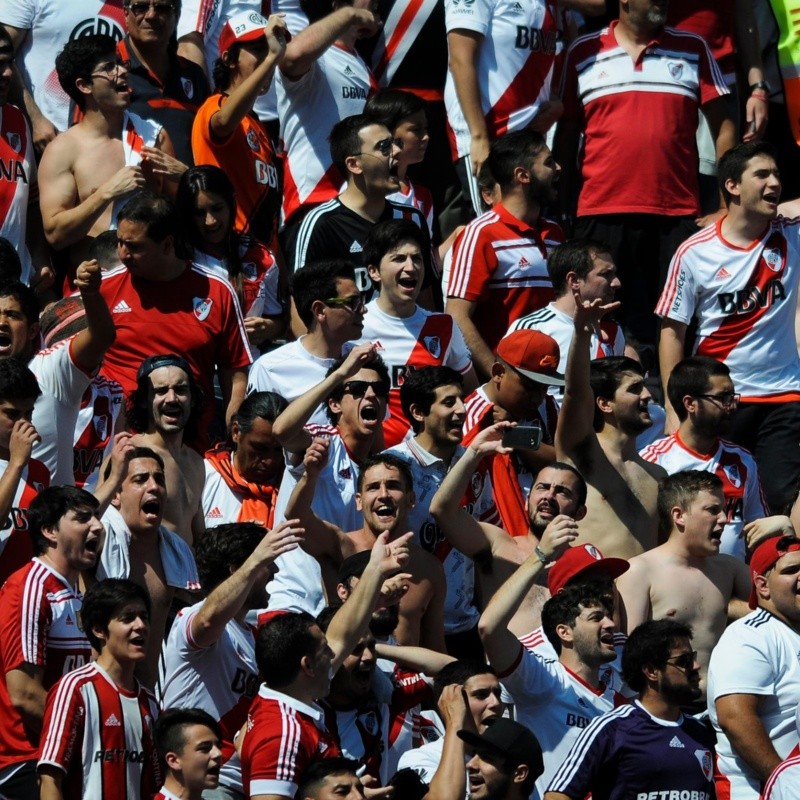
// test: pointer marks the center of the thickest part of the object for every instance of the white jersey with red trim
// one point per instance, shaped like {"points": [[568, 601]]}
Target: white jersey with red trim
{"points": [[744, 300], [556, 704], [416, 196], [50, 24], [425, 339], [165, 794], [756, 655], [784, 783], [101, 737], [137, 133], [222, 679], [734, 466], [18, 182], [515, 62], [336, 86], [219, 503]]}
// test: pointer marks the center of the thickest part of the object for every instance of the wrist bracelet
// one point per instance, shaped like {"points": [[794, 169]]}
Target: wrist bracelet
{"points": [[760, 94], [540, 554]]}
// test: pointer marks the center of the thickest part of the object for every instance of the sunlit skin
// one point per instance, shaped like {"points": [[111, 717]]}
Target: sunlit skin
{"points": [[400, 276], [342, 786], [213, 221], [78, 538], [142, 256], [196, 767], [554, 492], [16, 331], [360, 417], [704, 521], [384, 499], [141, 497], [484, 695], [779, 590], [631, 404], [592, 635], [11, 411], [126, 639], [169, 397]]}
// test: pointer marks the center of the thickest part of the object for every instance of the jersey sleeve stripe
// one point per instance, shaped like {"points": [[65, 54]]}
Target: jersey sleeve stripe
{"points": [[31, 612], [306, 230], [671, 286], [464, 258], [290, 741], [65, 697]]}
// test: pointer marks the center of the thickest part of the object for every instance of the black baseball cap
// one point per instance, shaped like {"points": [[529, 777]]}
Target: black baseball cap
{"points": [[506, 738], [164, 360]]}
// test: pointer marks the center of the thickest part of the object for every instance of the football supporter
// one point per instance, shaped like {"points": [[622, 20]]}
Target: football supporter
{"points": [[558, 492], [206, 210], [701, 393], [188, 741], [525, 367], [328, 304], [499, 270], [97, 736], [687, 578], [39, 636], [588, 267], [139, 547], [384, 496], [738, 281], [784, 782], [242, 475], [649, 746], [21, 477], [285, 730], [331, 779], [433, 402], [89, 171], [408, 336], [321, 80], [163, 411], [365, 152], [605, 408], [228, 135], [209, 657], [165, 87], [634, 90], [161, 303], [754, 675]]}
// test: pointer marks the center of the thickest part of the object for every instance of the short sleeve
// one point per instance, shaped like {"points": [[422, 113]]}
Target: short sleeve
{"points": [[19, 13], [458, 356], [471, 267], [475, 16], [677, 301], [23, 630], [62, 732], [740, 666]]}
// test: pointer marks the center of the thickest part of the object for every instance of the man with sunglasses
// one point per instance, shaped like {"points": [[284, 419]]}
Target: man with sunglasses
{"points": [[754, 674], [687, 578], [701, 392], [646, 749]]}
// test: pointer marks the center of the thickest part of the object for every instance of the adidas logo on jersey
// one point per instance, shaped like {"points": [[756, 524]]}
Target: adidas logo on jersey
{"points": [[356, 247], [677, 743], [517, 9], [348, 71], [523, 262], [722, 273], [122, 308], [215, 513], [113, 722]]}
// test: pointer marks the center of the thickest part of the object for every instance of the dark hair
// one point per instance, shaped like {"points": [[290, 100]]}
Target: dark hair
{"points": [[605, 377], [486, 181], [281, 644], [574, 256], [224, 547], [376, 363], [512, 150], [680, 489], [78, 60], [459, 672], [25, 296], [564, 467], [258, 405], [389, 235], [565, 607], [419, 389], [153, 211], [734, 162], [103, 248], [317, 281], [388, 460], [345, 140], [649, 645], [17, 382], [49, 506], [104, 600], [391, 106], [137, 452], [10, 264], [171, 725], [221, 71], [691, 377], [318, 771]]}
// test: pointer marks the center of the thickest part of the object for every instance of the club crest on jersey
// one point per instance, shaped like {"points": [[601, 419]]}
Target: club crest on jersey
{"points": [[250, 270], [704, 759], [370, 723], [15, 140], [593, 551], [772, 258], [732, 474], [252, 140], [188, 88], [100, 423], [202, 308], [433, 344], [675, 69], [476, 484]]}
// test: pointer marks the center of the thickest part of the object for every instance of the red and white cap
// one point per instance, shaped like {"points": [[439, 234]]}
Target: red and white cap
{"points": [[245, 27], [579, 559]]}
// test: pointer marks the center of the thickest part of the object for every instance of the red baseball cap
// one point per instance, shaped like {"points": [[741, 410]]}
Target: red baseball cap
{"points": [[766, 555], [578, 559], [534, 354], [245, 27]]}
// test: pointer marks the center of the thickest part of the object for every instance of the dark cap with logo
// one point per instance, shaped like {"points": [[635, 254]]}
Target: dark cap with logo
{"points": [[506, 738]]}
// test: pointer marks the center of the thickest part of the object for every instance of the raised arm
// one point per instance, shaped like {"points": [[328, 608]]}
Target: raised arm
{"points": [[415, 659], [91, 344], [450, 782]]}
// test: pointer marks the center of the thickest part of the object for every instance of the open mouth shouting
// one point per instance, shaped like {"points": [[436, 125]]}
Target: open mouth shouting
{"points": [[152, 511], [6, 343]]}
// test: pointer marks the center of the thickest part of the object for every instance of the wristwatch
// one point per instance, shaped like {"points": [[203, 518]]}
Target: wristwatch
{"points": [[762, 85], [540, 554]]}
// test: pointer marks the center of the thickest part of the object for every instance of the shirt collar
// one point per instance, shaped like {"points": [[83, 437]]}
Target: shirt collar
{"points": [[313, 711]]}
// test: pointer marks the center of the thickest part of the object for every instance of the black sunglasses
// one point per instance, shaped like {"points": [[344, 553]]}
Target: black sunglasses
{"points": [[684, 662], [359, 388]]}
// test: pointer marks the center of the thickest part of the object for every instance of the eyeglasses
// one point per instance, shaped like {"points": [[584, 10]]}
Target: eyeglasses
{"points": [[384, 147], [726, 399], [359, 388], [110, 68], [355, 302], [140, 9], [684, 662]]}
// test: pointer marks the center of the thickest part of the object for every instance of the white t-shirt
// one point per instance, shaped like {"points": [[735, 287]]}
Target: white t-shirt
{"points": [[756, 655], [784, 783]]}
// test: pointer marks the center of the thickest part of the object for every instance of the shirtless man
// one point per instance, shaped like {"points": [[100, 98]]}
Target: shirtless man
{"points": [[687, 579], [556, 501], [164, 409], [88, 171], [385, 493], [604, 409]]}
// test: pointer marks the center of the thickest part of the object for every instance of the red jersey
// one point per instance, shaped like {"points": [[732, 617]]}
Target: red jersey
{"points": [[101, 736], [713, 20], [500, 264], [283, 737], [38, 626]]}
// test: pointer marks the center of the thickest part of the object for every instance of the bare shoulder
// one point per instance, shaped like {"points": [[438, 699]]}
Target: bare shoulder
{"points": [[654, 470], [731, 566], [61, 152], [640, 567]]}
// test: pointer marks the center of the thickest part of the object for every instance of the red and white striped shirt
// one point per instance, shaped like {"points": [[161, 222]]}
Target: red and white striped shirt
{"points": [[784, 783]]}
